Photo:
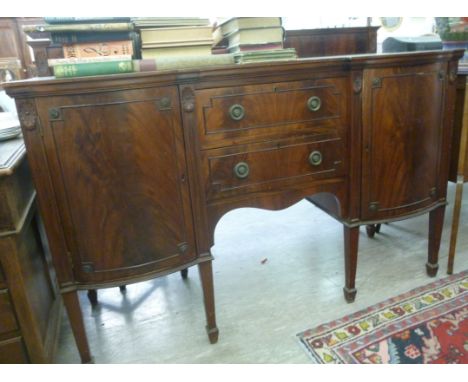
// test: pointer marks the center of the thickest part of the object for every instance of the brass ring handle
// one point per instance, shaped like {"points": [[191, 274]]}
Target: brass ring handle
{"points": [[237, 112], [241, 170], [314, 103], [315, 158]]}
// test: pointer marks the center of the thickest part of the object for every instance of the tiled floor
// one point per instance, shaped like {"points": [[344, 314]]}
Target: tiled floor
{"points": [[276, 274]]}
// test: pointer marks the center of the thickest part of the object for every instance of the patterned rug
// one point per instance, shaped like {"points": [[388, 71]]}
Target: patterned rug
{"points": [[426, 325]]}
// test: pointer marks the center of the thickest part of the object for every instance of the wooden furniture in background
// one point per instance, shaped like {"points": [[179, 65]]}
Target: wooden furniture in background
{"points": [[459, 160], [332, 41], [30, 302], [13, 43], [134, 171]]}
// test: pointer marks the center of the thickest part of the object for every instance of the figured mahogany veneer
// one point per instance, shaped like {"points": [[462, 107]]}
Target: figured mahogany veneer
{"points": [[134, 171]]}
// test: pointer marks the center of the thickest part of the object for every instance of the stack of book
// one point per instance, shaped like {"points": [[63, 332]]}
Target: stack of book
{"points": [[89, 37], [252, 39], [174, 37]]}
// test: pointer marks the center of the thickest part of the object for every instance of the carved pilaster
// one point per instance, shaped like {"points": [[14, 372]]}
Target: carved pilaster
{"points": [[188, 99], [357, 85], [27, 113], [453, 73]]}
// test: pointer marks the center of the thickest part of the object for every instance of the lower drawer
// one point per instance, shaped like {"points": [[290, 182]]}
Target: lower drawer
{"points": [[256, 167], [13, 351], [7, 317]]}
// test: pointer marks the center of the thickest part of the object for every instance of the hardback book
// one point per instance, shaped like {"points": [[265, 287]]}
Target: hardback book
{"points": [[80, 20], [177, 51], [80, 68], [238, 23], [79, 37], [176, 34], [156, 22], [265, 55], [255, 47], [60, 61], [185, 62], [98, 27], [176, 44], [256, 36], [219, 50], [97, 49]]}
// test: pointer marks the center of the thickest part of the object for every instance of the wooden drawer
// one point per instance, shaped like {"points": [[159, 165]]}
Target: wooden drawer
{"points": [[7, 317], [13, 351], [251, 113], [232, 171]]}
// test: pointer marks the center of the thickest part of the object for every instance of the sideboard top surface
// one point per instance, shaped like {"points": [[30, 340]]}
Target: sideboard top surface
{"points": [[44, 86]]}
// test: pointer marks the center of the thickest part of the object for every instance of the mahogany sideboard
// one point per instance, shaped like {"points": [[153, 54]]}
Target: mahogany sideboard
{"points": [[133, 171], [30, 302]]}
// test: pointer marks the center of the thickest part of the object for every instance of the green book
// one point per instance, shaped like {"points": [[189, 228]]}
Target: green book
{"points": [[81, 69]]}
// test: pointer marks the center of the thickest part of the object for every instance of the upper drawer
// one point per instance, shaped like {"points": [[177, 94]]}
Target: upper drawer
{"points": [[250, 113]]}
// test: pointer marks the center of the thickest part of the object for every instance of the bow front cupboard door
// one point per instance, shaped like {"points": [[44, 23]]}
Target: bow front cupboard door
{"points": [[403, 140], [119, 173]]}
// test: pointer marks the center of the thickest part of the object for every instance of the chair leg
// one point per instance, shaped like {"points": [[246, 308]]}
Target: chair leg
{"points": [[372, 229], [92, 297]]}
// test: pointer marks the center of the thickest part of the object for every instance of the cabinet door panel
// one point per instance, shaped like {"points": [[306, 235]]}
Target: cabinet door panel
{"points": [[121, 162], [402, 136]]}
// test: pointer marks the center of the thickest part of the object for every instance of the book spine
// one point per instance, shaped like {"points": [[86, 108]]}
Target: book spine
{"points": [[92, 68], [184, 62], [255, 47], [59, 61], [79, 37], [98, 49], [71, 20], [101, 27]]}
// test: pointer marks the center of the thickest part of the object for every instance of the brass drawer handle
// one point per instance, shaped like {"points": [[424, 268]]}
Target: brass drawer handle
{"points": [[315, 158], [241, 170], [314, 103], [237, 112]]}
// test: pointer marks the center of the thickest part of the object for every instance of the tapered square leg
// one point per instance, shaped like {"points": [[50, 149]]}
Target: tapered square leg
{"points": [[206, 276], [436, 222], [72, 304], [351, 244]]}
